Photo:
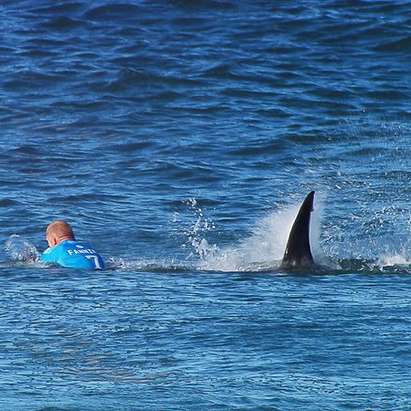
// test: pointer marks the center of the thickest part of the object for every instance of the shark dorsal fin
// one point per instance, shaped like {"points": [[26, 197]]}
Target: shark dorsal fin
{"points": [[298, 251]]}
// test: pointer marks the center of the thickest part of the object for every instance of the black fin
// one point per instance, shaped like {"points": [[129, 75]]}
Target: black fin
{"points": [[298, 251]]}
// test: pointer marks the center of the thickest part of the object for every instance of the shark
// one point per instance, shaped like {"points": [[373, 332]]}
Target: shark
{"points": [[298, 255]]}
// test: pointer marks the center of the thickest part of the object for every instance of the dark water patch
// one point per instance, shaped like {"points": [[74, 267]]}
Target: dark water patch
{"points": [[100, 197], [28, 79], [223, 70], [249, 35], [75, 105], [200, 23], [87, 55], [308, 138], [114, 11], [132, 147], [126, 79], [38, 169], [7, 51], [311, 104], [330, 92], [285, 49], [338, 108], [59, 408], [128, 57], [372, 35], [66, 7], [136, 34], [8, 202], [35, 52], [62, 23], [274, 113], [168, 96], [210, 5], [268, 148], [46, 41], [397, 46], [210, 109], [385, 95], [252, 93], [393, 11], [27, 149], [200, 174], [9, 183]]}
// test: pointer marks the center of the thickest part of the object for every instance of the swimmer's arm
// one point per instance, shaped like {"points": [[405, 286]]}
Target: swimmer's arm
{"points": [[48, 256]]}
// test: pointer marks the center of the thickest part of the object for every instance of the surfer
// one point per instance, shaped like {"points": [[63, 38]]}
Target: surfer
{"points": [[66, 251]]}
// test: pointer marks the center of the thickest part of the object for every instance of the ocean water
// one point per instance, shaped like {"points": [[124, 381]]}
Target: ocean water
{"points": [[179, 137]]}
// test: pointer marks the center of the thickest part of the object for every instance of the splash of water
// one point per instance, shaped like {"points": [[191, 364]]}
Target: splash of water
{"points": [[21, 250], [195, 233], [263, 249], [393, 260]]}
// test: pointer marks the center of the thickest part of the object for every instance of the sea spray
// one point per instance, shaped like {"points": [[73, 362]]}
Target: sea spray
{"points": [[263, 249], [20, 249], [195, 233]]}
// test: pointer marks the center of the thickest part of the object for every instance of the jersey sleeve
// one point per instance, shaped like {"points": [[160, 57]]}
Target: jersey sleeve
{"points": [[50, 255]]}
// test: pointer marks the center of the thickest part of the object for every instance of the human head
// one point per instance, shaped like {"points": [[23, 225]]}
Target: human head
{"points": [[58, 231]]}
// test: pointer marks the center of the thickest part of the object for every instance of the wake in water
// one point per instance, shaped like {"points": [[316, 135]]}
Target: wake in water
{"points": [[261, 251]]}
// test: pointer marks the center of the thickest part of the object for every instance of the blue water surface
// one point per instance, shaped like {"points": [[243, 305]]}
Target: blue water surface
{"points": [[179, 137]]}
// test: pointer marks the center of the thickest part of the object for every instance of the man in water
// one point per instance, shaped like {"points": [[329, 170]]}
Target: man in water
{"points": [[65, 251]]}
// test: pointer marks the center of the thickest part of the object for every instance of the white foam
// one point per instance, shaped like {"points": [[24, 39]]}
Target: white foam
{"points": [[21, 250], [395, 259], [262, 250]]}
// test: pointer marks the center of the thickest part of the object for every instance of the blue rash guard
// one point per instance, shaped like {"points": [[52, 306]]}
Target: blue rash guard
{"points": [[73, 254]]}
